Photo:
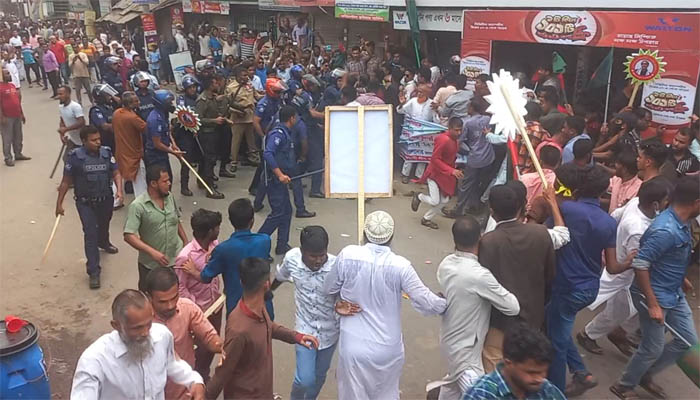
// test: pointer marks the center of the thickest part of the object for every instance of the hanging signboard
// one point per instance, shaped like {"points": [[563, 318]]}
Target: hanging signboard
{"points": [[430, 19], [292, 5], [149, 24], [362, 10], [205, 7], [176, 16]]}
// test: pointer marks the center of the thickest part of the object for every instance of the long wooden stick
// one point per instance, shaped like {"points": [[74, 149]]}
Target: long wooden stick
{"points": [[60, 153], [360, 173], [53, 233], [634, 94], [182, 158], [216, 306], [197, 175], [523, 132]]}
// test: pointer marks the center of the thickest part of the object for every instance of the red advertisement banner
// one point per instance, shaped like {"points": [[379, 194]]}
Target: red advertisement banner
{"points": [[149, 24], [652, 30], [177, 16]]}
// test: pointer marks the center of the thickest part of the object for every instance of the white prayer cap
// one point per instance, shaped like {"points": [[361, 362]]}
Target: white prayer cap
{"points": [[379, 227]]}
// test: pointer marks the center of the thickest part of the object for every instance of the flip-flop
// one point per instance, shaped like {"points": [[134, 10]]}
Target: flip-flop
{"points": [[653, 389], [624, 394]]}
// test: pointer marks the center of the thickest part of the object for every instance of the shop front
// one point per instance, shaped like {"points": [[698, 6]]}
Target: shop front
{"points": [[440, 28], [520, 40]]}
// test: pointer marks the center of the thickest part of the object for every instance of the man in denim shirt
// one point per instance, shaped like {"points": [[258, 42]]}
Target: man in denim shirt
{"points": [[660, 268]]}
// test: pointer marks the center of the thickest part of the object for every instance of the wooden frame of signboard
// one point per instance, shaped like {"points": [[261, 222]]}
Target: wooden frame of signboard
{"points": [[345, 130]]}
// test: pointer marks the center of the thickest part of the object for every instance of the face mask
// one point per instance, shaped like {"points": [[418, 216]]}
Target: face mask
{"points": [[656, 210], [170, 108]]}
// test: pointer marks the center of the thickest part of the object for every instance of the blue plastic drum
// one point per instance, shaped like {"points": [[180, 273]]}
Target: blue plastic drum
{"points": [[22, 369]]}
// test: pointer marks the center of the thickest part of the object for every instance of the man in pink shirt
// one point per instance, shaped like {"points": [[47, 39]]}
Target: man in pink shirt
{"points": [[184, 320], [625, 184], [549, 160], [205, 231]]}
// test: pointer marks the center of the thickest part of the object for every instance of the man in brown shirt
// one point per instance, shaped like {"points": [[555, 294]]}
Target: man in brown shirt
{"points": [[242, 101], [521, 257], [246, 372], [128, 137], [184, 319]]}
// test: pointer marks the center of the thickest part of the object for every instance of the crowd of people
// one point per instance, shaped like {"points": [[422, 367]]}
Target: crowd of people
{"points": [[614, 219]]}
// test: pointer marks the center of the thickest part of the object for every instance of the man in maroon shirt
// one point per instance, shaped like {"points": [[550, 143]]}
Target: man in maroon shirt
{"points": [[11, 120], [441, 174], [246, 371]]}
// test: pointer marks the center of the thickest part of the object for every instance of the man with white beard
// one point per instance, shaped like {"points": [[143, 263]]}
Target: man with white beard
{"points": [[135, 359]]}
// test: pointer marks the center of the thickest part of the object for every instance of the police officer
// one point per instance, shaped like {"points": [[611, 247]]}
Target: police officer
{"points": [[158, 144], [92, 169], [141, 82], [208, 109], [264, 119], [331, 96], [301, 146], [294, 82], [316, 137], [111, 75], [280, 162], [100, 114], [185, 139]]}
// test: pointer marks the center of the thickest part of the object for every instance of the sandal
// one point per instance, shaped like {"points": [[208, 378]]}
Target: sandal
{"points": [[623, 392], [580, 384], [655, 390], [429, 224], [589, 344]]}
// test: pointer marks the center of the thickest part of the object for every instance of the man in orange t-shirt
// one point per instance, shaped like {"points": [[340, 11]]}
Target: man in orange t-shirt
{"points": [[58, 47]]}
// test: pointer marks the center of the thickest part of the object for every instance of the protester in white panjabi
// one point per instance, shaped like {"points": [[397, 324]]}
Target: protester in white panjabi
{"points": [[470, 290], [370, 352], [620, 316]]}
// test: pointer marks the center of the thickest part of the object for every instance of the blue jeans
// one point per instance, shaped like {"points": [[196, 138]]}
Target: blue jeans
{"points": [[561, 315], [95, 218], [654, 354], [65, 73], [312, 367]]}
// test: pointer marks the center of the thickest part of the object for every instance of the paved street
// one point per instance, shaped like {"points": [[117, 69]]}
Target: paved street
{"points": [[55, 295]]}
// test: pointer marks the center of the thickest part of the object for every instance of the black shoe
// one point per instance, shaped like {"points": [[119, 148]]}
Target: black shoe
{"points": [[317, 195], [305, 214], [280, 251], [215, 195], [110, 249], [22, 157], [258, 207], [185, 192], [10, 163], [415, 202], [95, 281], [225, 174]]}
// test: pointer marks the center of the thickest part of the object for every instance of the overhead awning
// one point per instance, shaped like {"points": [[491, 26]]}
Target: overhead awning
{"points": [[122, 12], [165, 4]]}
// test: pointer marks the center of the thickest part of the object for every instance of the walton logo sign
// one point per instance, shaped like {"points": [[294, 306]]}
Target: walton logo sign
{"points": [[669, 25], [564, 27]]}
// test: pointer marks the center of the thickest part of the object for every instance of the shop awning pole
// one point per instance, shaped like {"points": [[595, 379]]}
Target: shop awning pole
{"points": [[412, 12]]}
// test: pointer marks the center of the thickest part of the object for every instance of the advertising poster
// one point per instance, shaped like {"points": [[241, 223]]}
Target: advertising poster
{"points": [[293, 5], [149, 24], [90, 24], [362, 10], [179, 62], [205, 7], [176, 16], [669, 100]]}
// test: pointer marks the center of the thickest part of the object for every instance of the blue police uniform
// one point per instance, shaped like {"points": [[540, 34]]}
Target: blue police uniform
{"points": [[99, 115], [316, 142], [267, 110], [186, 142], [292, 86], [114, 80], [92, 177], [279, 153], [157, 125], [299, 134], [145, 103]]}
